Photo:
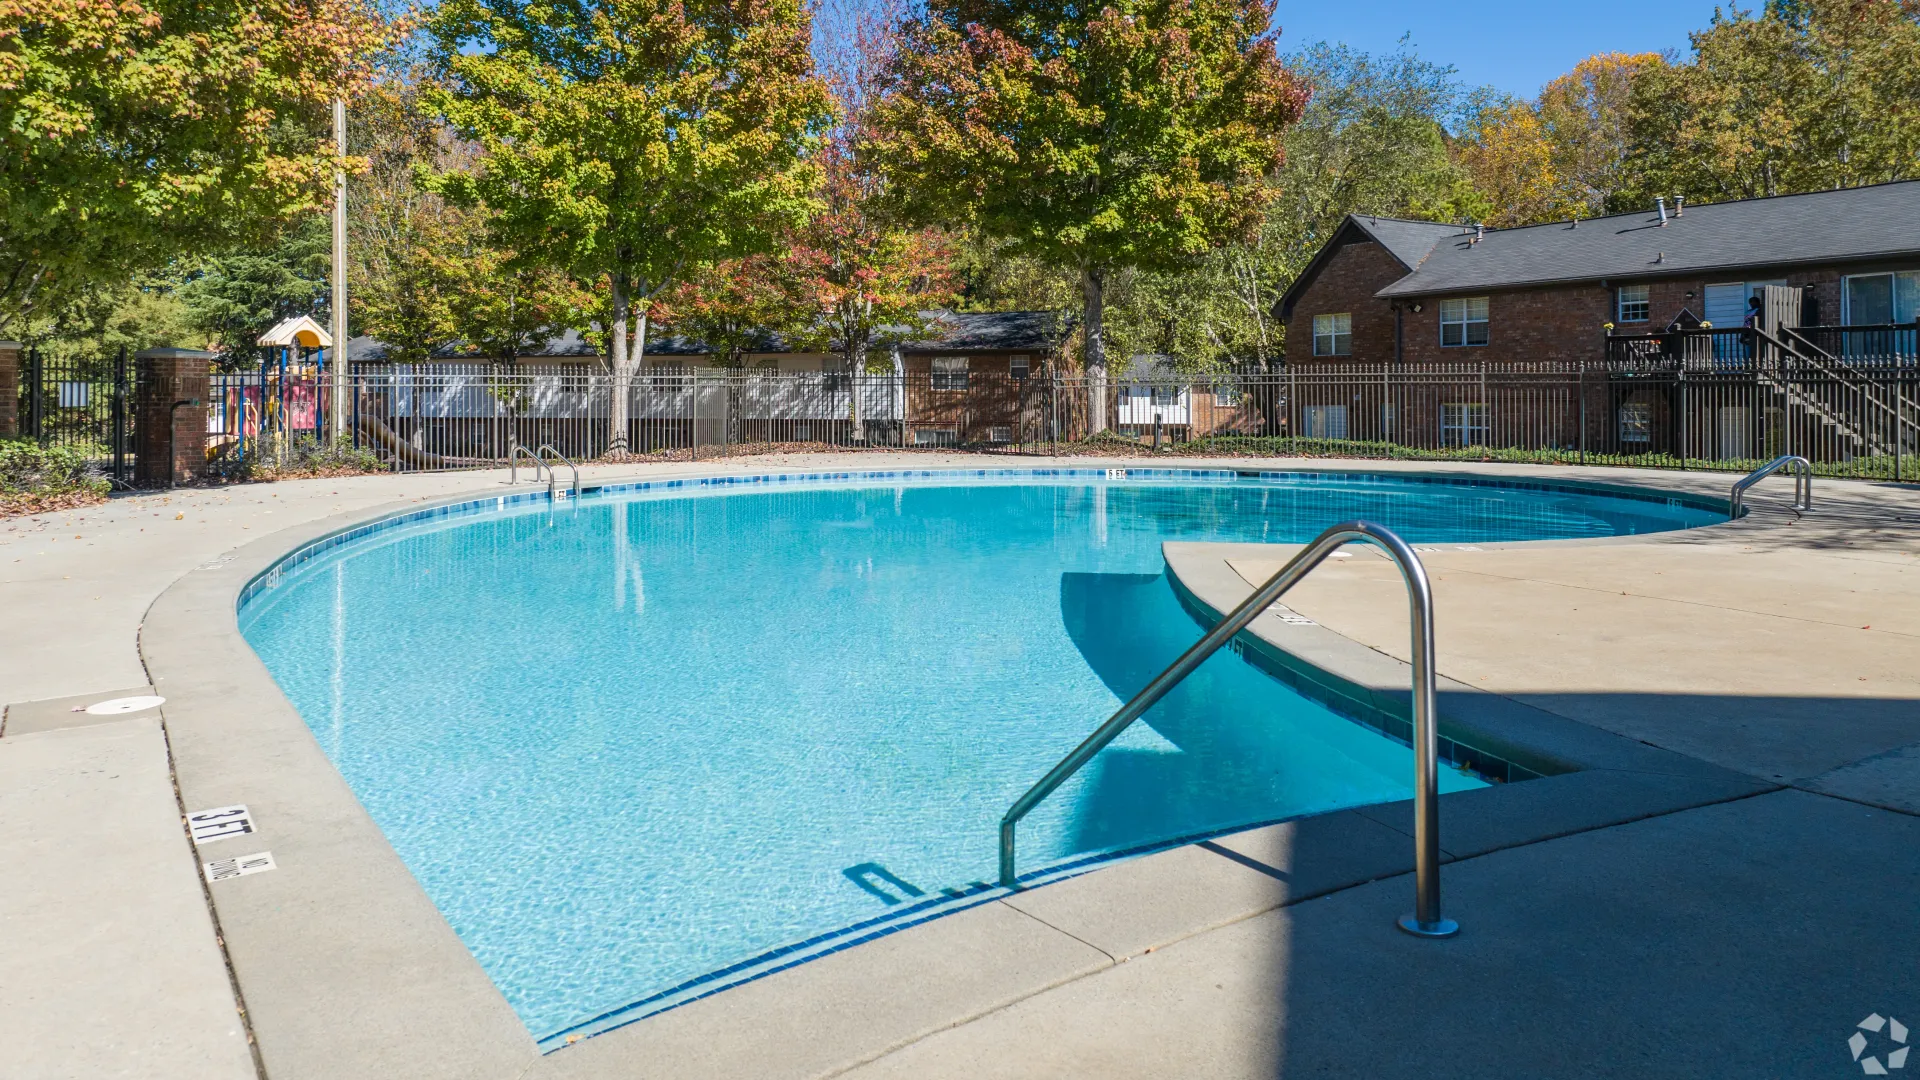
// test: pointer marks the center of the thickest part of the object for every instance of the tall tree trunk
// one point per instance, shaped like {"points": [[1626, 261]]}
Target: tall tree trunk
{"points": [[856, 366], [622, 369], [1093, 289]]}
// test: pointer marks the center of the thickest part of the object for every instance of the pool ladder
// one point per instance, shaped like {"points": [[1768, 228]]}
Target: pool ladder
{"points": [[551, 490], [1426, 920], [1802, 483], [540, 462]]}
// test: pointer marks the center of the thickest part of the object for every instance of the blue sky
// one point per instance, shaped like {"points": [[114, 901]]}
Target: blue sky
{"points": [[1511, 45]]}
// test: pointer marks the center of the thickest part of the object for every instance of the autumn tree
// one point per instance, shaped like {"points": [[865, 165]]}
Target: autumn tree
{"points": [[627, 142], [1138, 134], [424, 273], [1563, 154], [736, 306], [132, 133], [1805, 96], [871, 277]]}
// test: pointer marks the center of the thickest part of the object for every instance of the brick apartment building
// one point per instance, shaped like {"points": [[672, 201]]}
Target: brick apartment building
{"points": [[1390, 291]]}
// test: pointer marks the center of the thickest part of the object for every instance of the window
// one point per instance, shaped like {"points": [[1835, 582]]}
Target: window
{"points": [[1226, 397], [1165, 394], [935, 437], [949, 373], [1332, 335], [1635, 305], [1873, 299], [1020, 366], [1463, 423], [1463, 322], [1000, 434], [1636, 422], [1323, 422]]}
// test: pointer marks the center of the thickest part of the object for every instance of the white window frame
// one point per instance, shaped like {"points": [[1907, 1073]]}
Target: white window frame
{"points": [[936, 437], [1466, 312], [1000, 433], [949, 373], [1333, 334], [1636, 422], [1634, 303], [1020, 365], [1465, 423]]}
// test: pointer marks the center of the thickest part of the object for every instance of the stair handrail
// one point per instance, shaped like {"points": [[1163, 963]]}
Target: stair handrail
{"points": [[1426, 919], [541, 453], [1802, 483]]}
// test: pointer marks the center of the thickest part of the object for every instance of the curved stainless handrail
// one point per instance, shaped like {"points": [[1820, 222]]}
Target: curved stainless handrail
{"points": [[513, 466], [1426, 920], [1802, 483], [544, 447]]}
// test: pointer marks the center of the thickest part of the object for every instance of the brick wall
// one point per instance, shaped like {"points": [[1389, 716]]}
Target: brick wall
{"points": [[1523, 326], [11, 357], [1557, 323], [1346, 283], [167, 376]]}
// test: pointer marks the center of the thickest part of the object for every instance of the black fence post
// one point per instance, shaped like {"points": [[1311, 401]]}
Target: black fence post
{"points": [[1583, 412], [120, 417], [36, 399]]}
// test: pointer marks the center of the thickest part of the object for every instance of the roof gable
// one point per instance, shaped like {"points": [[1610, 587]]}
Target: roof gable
{"points": [[1407, 241]]}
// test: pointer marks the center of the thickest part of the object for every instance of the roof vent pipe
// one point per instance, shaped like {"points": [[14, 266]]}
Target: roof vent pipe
{"points": [[1662, 200], [1679, 203], [1479, 232]]}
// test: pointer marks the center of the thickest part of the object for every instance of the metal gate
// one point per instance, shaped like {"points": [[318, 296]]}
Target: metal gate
{"points": [[83, 403]]}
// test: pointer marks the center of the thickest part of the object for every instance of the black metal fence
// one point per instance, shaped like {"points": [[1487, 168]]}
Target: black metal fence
{"points": [[83, 403], [1705, 399], [1848, 398]]}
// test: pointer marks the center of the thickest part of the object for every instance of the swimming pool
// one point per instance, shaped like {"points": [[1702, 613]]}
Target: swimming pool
{"points": [[640, 747]]}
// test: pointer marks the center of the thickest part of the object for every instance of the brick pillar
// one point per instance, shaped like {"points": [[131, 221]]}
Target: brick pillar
{"points": [[12, 356], [164, 377]]}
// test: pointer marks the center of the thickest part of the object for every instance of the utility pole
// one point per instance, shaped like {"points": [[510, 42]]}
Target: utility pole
{"points": [[337, 408]]}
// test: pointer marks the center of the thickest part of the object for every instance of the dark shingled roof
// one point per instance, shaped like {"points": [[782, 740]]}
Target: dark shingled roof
{"points": [[965, 331], [1848, 225], [981, 330], [1407, 241]]}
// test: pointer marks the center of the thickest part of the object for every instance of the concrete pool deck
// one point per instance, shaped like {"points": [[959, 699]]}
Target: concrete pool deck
{"points": [[1720, 886]]}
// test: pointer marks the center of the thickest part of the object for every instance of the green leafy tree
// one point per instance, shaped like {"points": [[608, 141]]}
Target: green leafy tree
{"points": [[234, 297], [1807, 95], [629, 142], [1371, 140], [137, 132], [1138, 134]]}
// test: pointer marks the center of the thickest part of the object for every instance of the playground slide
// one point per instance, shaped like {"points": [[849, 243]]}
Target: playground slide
{"points": [[377, 430]]}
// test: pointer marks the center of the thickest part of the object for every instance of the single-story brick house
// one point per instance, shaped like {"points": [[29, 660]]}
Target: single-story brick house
{"points": [[969, 382], [1384, 290]]}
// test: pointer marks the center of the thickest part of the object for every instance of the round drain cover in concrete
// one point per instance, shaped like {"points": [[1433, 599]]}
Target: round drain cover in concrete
{"points": [[116, 706]]}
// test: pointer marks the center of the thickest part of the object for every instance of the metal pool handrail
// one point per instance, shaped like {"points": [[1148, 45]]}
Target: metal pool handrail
{"points": [[1426, 920], [513, 466], [1802, 483], [544, 447]]}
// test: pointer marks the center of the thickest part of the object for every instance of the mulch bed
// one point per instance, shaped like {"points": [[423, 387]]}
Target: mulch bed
{"points": [[16, 505]]}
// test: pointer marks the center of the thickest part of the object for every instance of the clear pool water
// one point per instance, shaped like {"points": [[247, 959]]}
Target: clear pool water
{"points": [[630, 742]]}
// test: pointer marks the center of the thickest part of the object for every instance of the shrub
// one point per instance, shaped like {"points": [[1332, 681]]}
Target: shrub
{"points": [[27, 468], [306, 456]]}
